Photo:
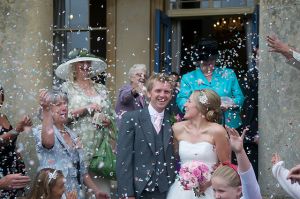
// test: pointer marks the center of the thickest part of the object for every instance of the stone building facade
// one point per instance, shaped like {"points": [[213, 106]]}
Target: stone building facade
{"points": [[26, 65]]}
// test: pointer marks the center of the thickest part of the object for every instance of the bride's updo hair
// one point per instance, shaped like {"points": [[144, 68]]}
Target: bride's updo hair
{"points": [[209, 104]]}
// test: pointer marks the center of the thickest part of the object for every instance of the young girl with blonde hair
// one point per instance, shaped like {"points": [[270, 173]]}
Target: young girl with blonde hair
{"points": [[49, 184], [230, 182]]}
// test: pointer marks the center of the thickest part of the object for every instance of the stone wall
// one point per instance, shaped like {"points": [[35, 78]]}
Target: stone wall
{"points": [[279, 88], [25, 60], [133, 37]]}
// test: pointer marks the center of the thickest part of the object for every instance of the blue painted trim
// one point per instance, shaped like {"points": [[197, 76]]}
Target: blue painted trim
{"points": [[162, 21], [157, 41]]}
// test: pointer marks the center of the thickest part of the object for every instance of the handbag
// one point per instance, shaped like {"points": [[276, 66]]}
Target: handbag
{"points": [[103, 162]]}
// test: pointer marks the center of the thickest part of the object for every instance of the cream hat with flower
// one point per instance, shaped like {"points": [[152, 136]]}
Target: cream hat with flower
{"points": [[65, 70]]}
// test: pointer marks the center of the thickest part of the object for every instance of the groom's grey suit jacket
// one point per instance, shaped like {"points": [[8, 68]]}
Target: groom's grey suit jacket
{"points": [[136, 152]]}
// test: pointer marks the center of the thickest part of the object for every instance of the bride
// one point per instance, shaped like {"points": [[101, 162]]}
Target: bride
{"points": [[201, 138]]}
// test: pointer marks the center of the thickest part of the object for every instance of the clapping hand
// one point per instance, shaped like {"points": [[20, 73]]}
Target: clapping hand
{"points": [[106, 122], [24, 122], [236, 141], [71, 195], [275, 158], [44, 99], [276, 45], [137, 88], [101, 120], [14, 181], [94, 107], [227, 103]]}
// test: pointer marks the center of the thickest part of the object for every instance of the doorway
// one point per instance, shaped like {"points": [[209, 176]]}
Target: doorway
{"points": [[230, 33]]}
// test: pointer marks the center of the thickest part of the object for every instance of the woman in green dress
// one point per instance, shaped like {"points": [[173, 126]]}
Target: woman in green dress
{"points": [[91, 112]]}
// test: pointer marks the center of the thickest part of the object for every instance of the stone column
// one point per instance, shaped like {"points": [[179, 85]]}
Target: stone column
{"points": [[133, 37], [279, 88], [25, 60]]}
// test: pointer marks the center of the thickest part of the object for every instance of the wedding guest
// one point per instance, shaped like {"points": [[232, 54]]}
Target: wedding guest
{"points": [[58, 147], [291, 54], [49, 183], [207, 75], [172, 107], [200, 138], [175, 79], [281, 173], [231, 182], [90, 108], [132, 95], [12, 168]]}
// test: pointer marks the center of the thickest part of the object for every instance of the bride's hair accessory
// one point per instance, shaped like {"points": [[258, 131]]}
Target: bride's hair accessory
{"points": [[52, 176], [202, 98]]}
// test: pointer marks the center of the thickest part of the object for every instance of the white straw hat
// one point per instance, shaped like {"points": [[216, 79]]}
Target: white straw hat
{"points": [[65, 70]]}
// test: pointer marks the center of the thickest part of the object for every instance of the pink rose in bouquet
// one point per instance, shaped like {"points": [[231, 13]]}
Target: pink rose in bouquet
{"points": [[192, 175]]}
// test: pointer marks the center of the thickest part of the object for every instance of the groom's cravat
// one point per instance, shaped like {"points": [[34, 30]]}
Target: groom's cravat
{"points": [[141, 100], [157, 122], [156, 118]]}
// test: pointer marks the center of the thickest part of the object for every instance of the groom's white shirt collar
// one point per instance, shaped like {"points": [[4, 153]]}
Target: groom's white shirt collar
{"points": [[153, 113]]}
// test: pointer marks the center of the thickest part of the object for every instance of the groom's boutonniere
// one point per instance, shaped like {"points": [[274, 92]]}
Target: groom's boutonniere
{"points": [[174, 118]]}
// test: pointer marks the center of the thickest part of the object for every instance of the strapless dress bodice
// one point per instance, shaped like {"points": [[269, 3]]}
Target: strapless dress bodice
{"points": [[201, 151]]}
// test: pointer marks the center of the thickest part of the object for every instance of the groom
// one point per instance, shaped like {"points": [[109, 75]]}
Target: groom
{"points": [[145, 159]]}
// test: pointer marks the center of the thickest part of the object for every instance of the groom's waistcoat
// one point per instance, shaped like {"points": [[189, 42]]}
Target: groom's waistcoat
{"points": [[159, 177]]}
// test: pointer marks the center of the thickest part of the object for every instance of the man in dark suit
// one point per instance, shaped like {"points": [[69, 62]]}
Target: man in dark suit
{"points": [[145, 159]]}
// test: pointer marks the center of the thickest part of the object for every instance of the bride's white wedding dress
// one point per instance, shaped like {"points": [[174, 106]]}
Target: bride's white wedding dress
{"points": [[202, 151]]}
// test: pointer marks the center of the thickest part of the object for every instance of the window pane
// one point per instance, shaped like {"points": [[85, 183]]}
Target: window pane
{"points": [[77, 13], [60, 50], [217, 4], [59, 15], [98, 43], [233, 3], [78, 40], [98, 13], [250, 3]]}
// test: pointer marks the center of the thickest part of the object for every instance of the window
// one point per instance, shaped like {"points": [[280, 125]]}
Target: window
{"points": [[79, 24]]}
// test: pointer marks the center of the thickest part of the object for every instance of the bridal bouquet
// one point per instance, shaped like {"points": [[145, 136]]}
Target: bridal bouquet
{"points": [[192, 175]]}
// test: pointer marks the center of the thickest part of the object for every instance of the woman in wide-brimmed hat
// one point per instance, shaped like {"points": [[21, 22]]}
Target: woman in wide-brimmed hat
{"points": [[89, 104]]}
